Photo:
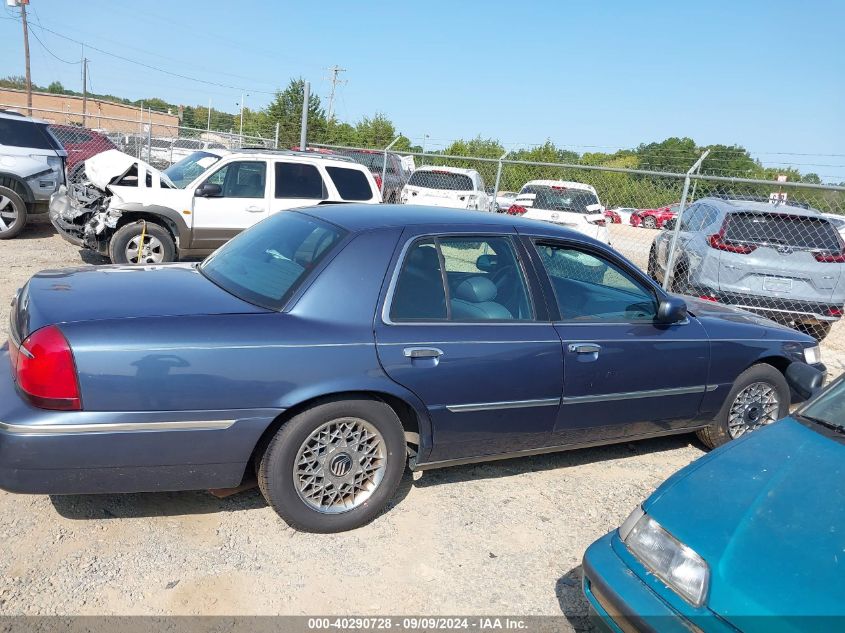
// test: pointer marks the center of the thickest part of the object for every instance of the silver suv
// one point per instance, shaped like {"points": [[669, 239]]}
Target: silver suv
{"points": [[32, 166], [782, 261]]}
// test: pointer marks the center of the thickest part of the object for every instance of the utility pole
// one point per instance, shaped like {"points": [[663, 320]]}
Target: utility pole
{"points": [[335, 71], [84, 90], [208, 127], [23, 4]]}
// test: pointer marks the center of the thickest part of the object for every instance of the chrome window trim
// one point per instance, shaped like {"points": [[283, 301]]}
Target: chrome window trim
{"points": [[635, 395], [115, 427], [397, 269], [508, 404]]}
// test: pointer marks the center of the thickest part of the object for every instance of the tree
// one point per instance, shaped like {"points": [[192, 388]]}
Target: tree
{"points": [[286, 110], [56, 88]]}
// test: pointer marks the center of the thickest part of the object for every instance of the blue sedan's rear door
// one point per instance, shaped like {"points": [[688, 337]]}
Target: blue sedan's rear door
{"points": [[625, 374], [459, 328]]}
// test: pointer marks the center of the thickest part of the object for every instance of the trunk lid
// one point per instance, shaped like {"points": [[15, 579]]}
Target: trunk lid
{"points": [[440, 197], [119, 292]]}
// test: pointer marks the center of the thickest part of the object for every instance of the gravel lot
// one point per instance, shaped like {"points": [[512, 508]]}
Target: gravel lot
{"points": [[500, 538]]}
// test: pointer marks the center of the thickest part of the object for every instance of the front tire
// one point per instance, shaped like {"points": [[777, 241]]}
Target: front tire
{"points": [[334, 467], [12, 213], [142, 243], [649, 222], [760, 395]]}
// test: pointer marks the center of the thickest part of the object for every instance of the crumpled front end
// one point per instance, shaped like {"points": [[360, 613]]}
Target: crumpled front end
{"points": [[81, 214]]}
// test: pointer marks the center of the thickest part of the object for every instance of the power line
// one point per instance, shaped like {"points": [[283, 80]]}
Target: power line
{"points": [[44, 46]]}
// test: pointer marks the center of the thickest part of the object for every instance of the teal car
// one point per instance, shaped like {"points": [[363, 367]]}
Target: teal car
{"points": [[750, 537]]}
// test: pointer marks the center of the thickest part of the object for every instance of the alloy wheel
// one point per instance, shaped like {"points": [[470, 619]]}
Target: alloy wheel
{"points": [[150, 252], [8, 214], [340, 465], [755, 406]]}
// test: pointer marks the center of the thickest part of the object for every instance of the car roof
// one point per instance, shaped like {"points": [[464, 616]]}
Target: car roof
{"points": [[17, 116], [453, 170], [730, 205], [568, 184], [269, 153], [365, 217]]}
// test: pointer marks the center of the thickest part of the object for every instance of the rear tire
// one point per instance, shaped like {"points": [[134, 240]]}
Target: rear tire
{"points": [[649, 222], [334, 467], [651, 269], [158, 247], [760, 395]]}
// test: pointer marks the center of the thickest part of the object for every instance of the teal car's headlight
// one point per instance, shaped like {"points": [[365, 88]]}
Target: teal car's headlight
{"points": [[666, 557]]}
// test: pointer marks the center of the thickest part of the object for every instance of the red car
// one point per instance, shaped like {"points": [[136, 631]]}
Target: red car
{"points": [[80, 144], [612, 217], [654, 218]]}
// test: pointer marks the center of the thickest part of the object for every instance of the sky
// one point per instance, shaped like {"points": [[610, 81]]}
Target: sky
{"points": [[590, 76]]}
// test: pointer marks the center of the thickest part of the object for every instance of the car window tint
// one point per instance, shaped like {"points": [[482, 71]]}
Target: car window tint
{"points": [[24, 133], [557, 198], [242, 179], [265, 265], [780, 229], [299, 180], [485, 280], [441, 179], [351, 184], [419, 293], [589, 287]]}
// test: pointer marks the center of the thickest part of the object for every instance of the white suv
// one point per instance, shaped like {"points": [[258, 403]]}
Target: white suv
{"points": [[572, 204], [133, 213], [446, 187]]}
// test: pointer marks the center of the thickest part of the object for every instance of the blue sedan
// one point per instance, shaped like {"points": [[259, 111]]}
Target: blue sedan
{"points": [[325, 348], [749, 537]]}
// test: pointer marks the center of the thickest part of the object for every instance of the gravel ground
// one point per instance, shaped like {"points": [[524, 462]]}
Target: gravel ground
{"points": [[499, 538]]}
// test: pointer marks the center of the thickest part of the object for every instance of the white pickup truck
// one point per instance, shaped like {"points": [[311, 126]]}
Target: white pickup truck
{"points": [[133, 213]]}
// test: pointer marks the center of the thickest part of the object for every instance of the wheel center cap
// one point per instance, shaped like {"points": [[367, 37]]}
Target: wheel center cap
{"points": [[753, 413], [340, 464]]}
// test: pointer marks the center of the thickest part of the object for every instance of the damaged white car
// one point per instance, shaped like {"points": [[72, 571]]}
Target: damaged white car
{"points": [[133, 213]]}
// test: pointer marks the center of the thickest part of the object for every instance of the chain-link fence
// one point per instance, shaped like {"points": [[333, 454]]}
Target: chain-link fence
{"points": [[774, 248]]}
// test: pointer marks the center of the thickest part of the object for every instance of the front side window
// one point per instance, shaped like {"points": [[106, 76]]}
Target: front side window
{"points": [[461, 279], [241, 179], [351, 184], [265, 264], [299, 180], [591, 288]]}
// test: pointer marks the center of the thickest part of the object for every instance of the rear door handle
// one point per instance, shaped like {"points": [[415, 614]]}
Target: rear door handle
{"points": [[584, 348], [254, 209], [422, 352]]}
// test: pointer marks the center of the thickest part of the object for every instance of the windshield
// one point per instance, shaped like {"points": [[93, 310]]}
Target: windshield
{"points": [[558, 198], [181, 174], [829, 407], [440, 179], [265, 264]]}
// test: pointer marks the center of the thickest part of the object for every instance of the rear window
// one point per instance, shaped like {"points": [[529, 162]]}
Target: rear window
{"points": [[160, 143], [351, 184], [558, 198], [299, 180], [374, 161], [70, 137], [439, 179], [25, 133], [782, 230], [187, 143], [266, 264]]}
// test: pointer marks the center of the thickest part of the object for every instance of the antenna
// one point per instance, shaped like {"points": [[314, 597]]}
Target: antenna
{"points": [[335, 71]]}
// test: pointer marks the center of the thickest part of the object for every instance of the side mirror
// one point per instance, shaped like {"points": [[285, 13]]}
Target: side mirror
{"points": [[804, 379], [670, 224], [672, 310], [208, 190]]}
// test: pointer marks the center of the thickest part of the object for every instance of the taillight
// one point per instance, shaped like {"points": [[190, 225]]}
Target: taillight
{"points": [[830, 257], [718, 241], [600, 222], [517, 209], [709, 298], [378, 181], [834, 312], [45, 371]]}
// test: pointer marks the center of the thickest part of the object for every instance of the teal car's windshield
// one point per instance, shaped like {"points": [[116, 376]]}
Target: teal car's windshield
{"points": [[829, 407], [180, 175]]}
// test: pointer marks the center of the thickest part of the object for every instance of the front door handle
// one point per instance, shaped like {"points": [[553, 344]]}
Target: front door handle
{"points": [[422, 352], [254, 209], [584, 348]]}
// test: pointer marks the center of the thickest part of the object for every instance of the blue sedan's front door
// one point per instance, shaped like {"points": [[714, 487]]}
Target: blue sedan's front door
{"points": [[459, 329], [625, 373]]}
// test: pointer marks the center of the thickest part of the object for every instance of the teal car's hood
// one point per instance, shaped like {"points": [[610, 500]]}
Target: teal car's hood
{"points": [[767, 513]]}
